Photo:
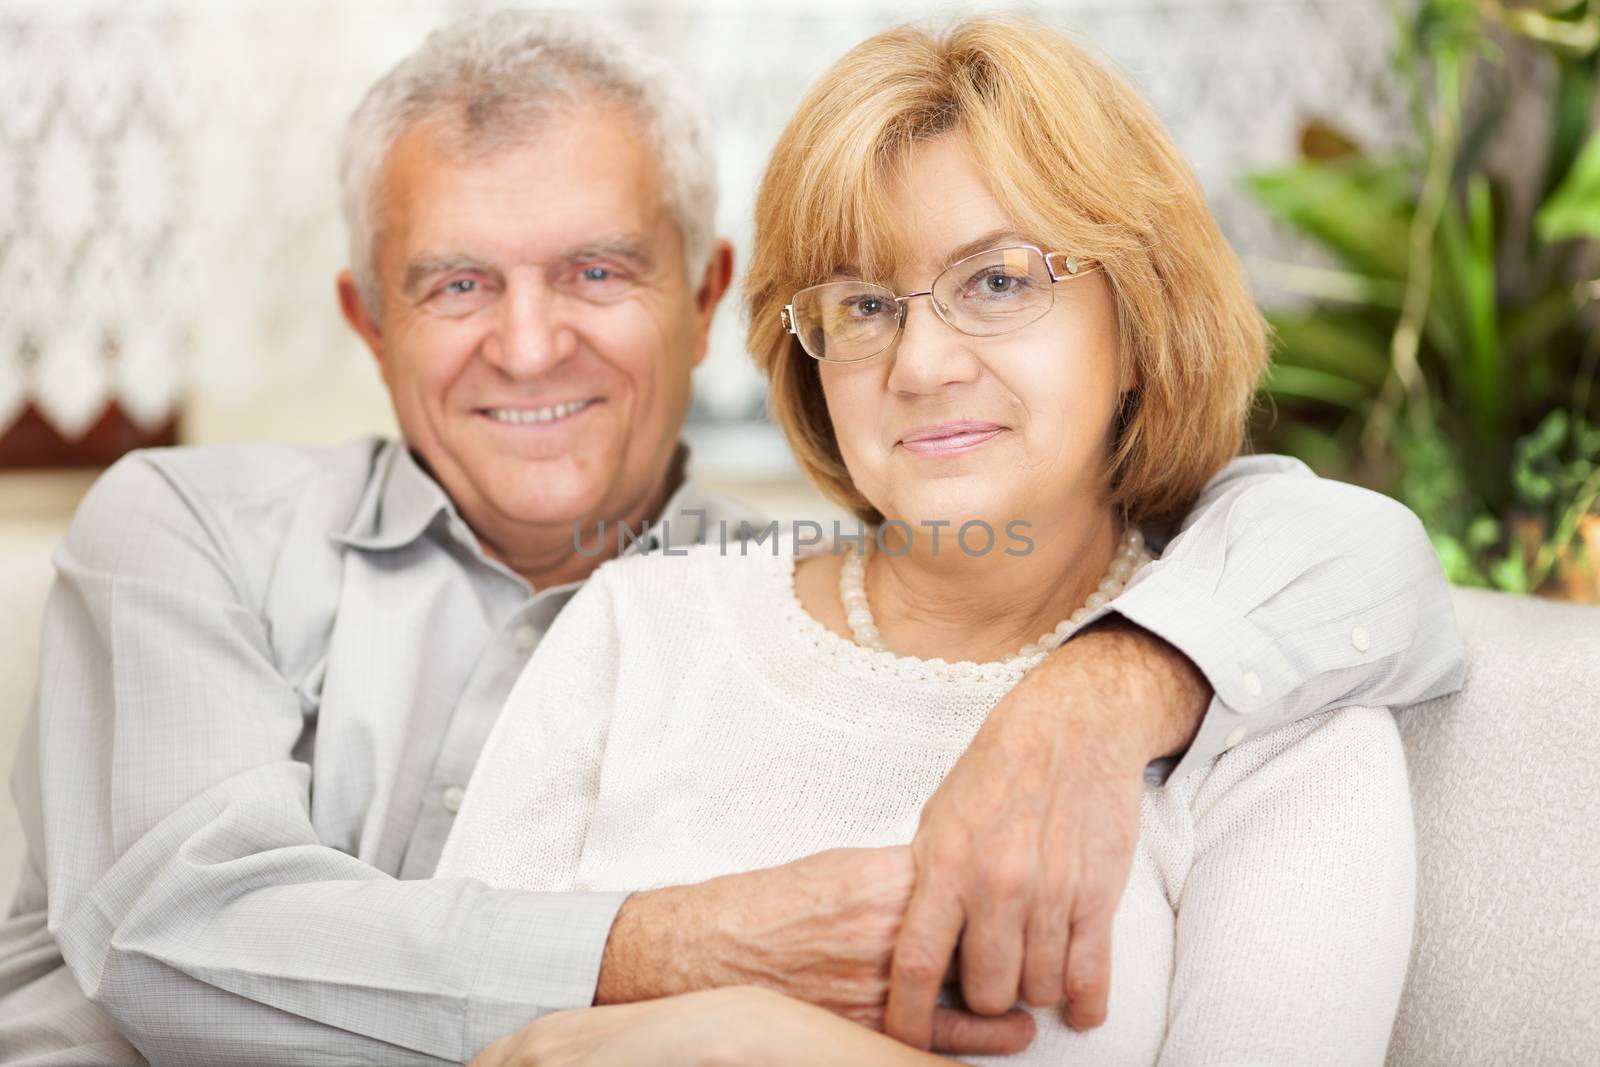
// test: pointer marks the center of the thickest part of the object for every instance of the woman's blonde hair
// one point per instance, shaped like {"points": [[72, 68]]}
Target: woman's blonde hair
{"points": [[1081, 165]]}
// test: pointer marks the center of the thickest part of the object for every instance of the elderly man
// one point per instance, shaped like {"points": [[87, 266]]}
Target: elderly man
{"points": [[268, 671]]}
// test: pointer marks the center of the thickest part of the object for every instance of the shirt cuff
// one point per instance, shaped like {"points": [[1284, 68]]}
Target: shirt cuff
{"points": [[542, 954], [1245, 666]]}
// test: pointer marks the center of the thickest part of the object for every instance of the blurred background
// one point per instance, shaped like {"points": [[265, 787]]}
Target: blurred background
{"points": [[1413, 186]]}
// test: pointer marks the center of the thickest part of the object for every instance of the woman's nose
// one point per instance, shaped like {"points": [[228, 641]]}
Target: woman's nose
{"points": [[929, 353]]}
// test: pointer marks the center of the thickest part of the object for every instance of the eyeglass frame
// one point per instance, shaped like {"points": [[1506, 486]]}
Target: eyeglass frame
{"points": [[1073, 266]]}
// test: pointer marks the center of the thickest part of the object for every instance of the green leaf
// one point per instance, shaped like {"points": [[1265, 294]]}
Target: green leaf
{"points": [[1573, 210], [1536, 470], [1534, 488], [1546, 438], [1359, 211], [1353, 346], [1431, 481], [1510, 574], [1459, 567], [1569, 122], [1589, 442], [1482, 533], [1308, 384]]}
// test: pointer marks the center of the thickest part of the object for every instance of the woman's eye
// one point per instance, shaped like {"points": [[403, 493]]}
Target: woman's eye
{"points": [[862, 306], [996, 283]]}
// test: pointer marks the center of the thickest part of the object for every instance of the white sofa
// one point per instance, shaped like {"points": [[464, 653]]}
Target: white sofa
{"points": [[1506, 781]]}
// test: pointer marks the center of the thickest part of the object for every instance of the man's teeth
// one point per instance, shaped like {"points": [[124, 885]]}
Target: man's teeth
{"points": [[520, 415]]}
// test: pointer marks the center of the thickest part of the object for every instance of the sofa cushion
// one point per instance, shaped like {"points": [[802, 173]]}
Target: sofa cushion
{"points": [[1507, 799]]}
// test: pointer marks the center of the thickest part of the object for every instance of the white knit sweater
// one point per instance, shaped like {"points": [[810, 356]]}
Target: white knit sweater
{"points": [[686, 718]]}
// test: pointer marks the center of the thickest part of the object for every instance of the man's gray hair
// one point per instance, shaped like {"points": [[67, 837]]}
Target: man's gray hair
{"points": [[493, 79]]}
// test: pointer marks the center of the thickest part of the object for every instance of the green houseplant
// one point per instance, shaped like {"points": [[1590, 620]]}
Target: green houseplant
{"points": [[1450, 355]]}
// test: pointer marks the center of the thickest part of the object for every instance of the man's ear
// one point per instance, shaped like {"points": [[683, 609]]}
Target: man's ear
{"points": [[356, 314], [713, 287]]}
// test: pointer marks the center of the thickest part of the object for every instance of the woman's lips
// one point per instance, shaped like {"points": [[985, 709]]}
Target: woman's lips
{"points": [[947, 438]]}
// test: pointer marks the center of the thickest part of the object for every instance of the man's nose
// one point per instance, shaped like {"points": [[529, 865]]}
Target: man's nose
{"points": [[930, 353], [533, 335]]}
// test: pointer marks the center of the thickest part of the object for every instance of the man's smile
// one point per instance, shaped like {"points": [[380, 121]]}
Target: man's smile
{"points": [[522, 416]]}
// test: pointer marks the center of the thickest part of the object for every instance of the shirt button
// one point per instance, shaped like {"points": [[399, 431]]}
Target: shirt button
{"points": [[1359, 638], [526, 637], [452, 799], [1235, 737], [1252, 683]]}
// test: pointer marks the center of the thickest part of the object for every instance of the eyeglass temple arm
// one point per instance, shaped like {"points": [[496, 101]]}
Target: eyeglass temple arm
{"points": [[1069, 267]]}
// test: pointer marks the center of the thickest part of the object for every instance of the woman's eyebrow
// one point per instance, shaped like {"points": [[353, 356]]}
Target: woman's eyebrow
{"points": [[995, 238], [992, 239]]}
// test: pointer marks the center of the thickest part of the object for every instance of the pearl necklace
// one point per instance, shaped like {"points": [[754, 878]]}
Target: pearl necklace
{"points": [[1131, 555]]}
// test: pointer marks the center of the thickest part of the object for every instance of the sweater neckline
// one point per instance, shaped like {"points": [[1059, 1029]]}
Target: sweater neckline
{"points": [[843, 653]]}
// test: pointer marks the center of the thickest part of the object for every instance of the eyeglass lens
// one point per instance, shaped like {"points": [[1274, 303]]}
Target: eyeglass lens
{"points": [[983, 295]]}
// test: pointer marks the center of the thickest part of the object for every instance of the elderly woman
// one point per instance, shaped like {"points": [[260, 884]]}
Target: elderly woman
{"points": [[1001, 326]]}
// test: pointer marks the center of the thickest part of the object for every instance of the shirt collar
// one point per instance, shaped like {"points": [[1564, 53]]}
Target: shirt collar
{"points": [[398, 505], [401, 501]]}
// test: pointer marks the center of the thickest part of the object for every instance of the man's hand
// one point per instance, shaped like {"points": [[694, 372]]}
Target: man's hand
{"points": [[1024, 850], [821, 929]]}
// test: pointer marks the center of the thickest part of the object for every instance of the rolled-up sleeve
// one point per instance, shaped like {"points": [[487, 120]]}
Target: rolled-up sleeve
{"points": [[188, 890], [1295, 594]]}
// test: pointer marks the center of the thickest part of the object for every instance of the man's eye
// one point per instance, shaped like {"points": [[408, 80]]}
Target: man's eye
{"points": [[596, 274], [461, 286]]}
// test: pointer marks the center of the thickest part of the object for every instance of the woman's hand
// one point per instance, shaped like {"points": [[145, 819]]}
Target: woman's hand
{"points": [[740, 1026], [692, 1030]]}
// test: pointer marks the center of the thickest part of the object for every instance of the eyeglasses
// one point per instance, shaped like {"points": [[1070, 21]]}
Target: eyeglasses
{"points": [[983, 295]]}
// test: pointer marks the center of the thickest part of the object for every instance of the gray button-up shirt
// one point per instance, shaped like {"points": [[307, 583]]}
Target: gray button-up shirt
{"points": [[267, 674]]}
